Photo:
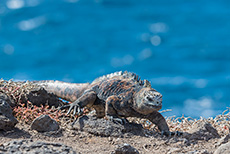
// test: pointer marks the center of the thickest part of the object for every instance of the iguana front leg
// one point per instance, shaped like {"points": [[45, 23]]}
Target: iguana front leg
{"points": [[87, 99], [113, 105], [156, 118]]}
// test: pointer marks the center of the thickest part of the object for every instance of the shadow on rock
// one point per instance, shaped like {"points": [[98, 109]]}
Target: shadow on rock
{"points": [[102, 127], [15, 133], [202, 131]]}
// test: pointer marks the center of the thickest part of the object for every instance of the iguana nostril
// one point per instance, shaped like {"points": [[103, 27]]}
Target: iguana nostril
{"points": [[150, 99]]}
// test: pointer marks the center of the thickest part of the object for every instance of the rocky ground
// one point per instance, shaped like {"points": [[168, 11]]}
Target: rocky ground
{"points": [[42, 134], [93, 140]]}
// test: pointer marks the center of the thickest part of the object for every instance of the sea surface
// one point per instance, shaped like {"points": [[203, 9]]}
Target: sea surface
{"points": [[182, 47]]}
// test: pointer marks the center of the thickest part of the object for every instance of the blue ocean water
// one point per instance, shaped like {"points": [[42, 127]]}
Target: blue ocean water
{"points": [[182, 47]]}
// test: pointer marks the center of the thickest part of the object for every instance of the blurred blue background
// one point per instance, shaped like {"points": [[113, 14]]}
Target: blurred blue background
{"points": [[182, 47]]}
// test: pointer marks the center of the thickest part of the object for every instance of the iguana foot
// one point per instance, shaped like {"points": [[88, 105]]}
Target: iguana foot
{"points": [[73, 106], [121, 121]]}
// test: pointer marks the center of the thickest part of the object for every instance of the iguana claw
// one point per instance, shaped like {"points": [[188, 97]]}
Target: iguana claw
{"points": [[73, 106], [121, 121]]}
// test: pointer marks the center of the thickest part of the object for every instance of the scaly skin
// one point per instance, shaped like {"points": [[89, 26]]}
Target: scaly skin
{"points": [[120, 94]]}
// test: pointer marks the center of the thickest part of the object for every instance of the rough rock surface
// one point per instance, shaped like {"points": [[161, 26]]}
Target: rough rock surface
{"points": [[223, 140], [102, 127], [125, 149], [5, 97], [223, 149], [29, 146], [40, 96], [202, 131], [22, 92], [203, 151], [44, 124], [7, 120], [84, 142]]}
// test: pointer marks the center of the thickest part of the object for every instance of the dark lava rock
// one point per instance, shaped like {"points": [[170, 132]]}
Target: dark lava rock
{"points": [[7, 120], [103, 127], [5, 97], [202, 131], [29, 146], [125, 149], [44, 124], [198, 152], [223, 149], [39, 96]]}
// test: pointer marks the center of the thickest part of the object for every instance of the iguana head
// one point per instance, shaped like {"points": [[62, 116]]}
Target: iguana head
{"points": [[147, 100]]}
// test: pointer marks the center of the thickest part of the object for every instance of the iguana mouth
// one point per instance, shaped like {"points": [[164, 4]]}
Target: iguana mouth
{"points": [[153, 106]]}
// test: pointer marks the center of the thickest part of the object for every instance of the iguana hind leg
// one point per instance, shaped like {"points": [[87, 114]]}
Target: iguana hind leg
{"points": [[87, 99]]}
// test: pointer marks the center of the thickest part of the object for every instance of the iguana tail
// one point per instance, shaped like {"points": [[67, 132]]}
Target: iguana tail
{"points": [[64, 90]]}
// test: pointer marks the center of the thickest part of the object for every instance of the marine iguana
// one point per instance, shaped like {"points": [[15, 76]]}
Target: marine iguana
{"points": [[113, 96]]}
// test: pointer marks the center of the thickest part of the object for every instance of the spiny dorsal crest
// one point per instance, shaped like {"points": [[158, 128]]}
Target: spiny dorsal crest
{"points": [[125, 75], [147, 84]]}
